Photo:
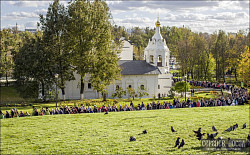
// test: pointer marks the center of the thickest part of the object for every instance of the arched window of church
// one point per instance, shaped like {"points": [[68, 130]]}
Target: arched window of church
{"points": [[89, 86], [129, 86], [117, 87], [159, 62], [142, 87], [151, 59], [166, 60]]}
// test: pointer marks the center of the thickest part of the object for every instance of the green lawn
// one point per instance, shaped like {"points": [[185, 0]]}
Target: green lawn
{"points": [[109, 134]]}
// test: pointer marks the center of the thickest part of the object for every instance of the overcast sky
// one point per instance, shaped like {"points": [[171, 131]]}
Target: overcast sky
{"points": [[200, 16]]}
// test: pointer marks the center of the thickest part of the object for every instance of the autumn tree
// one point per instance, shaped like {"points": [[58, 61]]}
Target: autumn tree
{"points": [[244, 66]]}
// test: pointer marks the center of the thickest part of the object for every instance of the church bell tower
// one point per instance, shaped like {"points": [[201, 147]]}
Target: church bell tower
{"points": [[157, 52]]}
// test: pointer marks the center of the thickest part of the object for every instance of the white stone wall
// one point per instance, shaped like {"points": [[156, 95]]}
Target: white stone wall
{"points": [[127, 51], [164, 83], [150, 82]]}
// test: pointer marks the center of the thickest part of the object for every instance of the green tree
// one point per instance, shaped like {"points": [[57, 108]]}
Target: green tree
{"points": [[221, 54], [32, 66], [142, 92], [180, 87], [119, 92], [131, 92], [8, 47], [55, 37], [105, 68], [81, 37], [91, 44]]}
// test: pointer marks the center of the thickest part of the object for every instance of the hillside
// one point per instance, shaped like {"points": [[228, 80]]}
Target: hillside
{"points": [[109, 134]]}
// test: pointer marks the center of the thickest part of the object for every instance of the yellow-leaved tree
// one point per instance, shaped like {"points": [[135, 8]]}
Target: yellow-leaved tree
{"points": [[244, 66]]}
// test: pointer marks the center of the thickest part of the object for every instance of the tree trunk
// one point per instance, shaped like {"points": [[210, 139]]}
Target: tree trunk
{"points": [[7, 82], [82, 88], [43, 91], [235, 74], [192, 74], [63, 93], [216, 69], [104, 96], [224, 73]]}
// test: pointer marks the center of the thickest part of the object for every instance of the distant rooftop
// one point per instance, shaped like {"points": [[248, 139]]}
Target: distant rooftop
{"points": [[137, 67]]}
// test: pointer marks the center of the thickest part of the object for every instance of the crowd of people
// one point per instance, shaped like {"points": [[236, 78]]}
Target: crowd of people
{"points": [[238, 97]]}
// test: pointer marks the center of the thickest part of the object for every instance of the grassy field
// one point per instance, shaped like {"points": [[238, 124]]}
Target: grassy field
{"points": [[97, 133]]}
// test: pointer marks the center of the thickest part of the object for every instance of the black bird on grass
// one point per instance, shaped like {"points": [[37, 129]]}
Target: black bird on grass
{"points": [[235, 126], [214, 129], [212, 135], [143, 132], [244, 126], [172, 129], [132, 138], [177, 142], [200, 135], [248, 137], [182, 144], [106, 113], [198, 131], [229, 129]]}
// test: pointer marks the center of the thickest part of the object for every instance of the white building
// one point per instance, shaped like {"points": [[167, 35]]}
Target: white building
{"points": [[152, 74]]}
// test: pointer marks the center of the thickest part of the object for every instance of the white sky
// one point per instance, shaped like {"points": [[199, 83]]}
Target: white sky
{"points": [[200, 16]]}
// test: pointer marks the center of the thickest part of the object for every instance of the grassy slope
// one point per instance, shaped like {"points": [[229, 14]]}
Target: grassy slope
{"points": [[109, 134]]}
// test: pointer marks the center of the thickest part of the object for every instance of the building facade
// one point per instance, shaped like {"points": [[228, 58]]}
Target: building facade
{"points": [[151, 74]]}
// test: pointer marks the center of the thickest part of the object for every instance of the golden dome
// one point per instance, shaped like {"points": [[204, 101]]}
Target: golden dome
{"points": [[157, 23]]}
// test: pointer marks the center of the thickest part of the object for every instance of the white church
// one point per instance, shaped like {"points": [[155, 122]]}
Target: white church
{"points": [[151, 74]]}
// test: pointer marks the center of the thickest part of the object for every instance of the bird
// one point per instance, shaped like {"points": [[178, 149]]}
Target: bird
{"points": [[182, 144], [235, 126], [172, 129], [177, 142], [200, 135], [212, 135], [219, 138], [106, 113], [214, 129], [229, 129], [198, 131], [132, 138], [248, 137], [143, 132], [244, 126]]}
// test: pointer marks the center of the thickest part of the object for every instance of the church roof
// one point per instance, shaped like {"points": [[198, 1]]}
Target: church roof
{"points": [[137, 67]]}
